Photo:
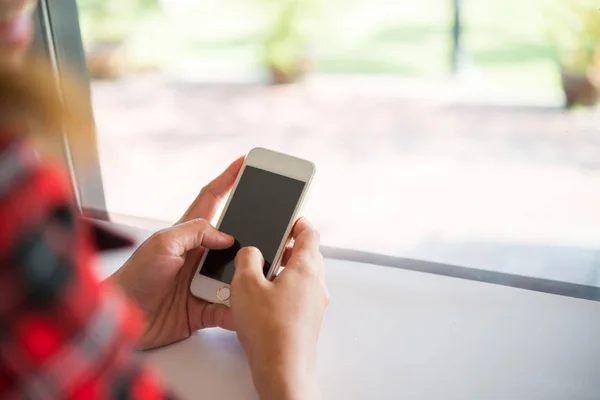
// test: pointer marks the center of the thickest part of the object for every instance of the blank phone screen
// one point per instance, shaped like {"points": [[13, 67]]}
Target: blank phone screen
{"points": [[258, 215]]}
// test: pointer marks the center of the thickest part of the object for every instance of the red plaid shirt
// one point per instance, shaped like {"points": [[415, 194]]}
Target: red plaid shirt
{"points": [[62, 335]]}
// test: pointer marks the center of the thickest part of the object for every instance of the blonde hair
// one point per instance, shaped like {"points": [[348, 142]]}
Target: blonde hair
{"points": [[34, 104]]}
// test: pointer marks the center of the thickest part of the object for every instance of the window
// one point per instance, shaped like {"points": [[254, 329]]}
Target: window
{"points": [[483, 168]]}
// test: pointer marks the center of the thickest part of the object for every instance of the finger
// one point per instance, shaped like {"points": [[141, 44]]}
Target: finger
{"points": [[181, 238], [287, 253], [206, 315], [305, 237], [249, 263], [305, 253], [217, 315], [206, 203]]}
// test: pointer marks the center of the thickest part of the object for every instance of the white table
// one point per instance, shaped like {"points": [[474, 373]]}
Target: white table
{"points": [[396, 334]]}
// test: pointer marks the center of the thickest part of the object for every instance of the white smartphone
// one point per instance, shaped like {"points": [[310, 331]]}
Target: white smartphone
{"points": [[261, 211]]}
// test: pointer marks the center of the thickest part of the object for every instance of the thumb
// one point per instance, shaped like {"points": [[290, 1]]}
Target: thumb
{"points": [[249, 263], [189, 235]]}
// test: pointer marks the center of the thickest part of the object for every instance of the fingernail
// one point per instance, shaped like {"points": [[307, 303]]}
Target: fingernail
{"points": [[223, 234], [307, 222], [228, 236]]}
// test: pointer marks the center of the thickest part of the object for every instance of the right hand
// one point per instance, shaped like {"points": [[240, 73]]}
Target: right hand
{"points": [[278, 322]]}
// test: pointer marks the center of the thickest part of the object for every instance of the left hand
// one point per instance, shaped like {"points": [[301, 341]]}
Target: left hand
{"points": [[158, 275]]}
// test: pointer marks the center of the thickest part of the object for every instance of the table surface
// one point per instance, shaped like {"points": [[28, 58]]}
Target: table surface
{"points": [[396, 334]]}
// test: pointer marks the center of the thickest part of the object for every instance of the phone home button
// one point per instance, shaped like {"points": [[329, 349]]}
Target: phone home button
{"points": [[223, 293]]}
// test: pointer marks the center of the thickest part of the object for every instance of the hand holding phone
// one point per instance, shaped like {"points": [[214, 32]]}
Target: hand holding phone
{"points": [[278, 322], [260, 212]]}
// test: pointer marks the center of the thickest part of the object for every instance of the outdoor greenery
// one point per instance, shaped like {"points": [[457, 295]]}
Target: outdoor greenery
{"points": [[113, 20], [288, 35], [577, 34], [508, 41]]}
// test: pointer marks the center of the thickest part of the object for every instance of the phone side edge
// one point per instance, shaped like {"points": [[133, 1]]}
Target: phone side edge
{"points": [[288, 232]]}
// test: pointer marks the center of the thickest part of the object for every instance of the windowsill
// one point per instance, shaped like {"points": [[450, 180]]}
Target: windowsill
{"points": [[391, 333], [141, 228]]}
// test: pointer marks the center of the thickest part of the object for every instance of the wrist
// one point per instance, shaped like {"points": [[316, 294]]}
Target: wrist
{"points": [[291, 379], [116, 280]]}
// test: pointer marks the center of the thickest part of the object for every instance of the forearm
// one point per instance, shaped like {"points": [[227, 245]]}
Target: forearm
{"points": [[281, 380]]}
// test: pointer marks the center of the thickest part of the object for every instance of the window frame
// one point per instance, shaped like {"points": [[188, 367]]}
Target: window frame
{"points": [[58, 37]]}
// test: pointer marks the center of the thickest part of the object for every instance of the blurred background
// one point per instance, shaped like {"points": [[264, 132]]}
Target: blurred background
{"points": [[456, 131]]}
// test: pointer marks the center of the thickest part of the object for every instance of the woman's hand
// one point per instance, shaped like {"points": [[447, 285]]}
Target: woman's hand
{"points": [[158, 275], [278, 322]]}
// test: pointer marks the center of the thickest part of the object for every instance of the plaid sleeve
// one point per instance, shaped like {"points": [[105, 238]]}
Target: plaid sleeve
{"points": [[61, 334]]}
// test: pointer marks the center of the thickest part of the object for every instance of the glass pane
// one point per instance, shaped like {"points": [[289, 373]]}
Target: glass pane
{"points": [[483, 169], [510, 46]]}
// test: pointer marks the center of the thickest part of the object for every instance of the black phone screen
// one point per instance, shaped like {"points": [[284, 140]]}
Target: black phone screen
{"points": [[258, 215]]}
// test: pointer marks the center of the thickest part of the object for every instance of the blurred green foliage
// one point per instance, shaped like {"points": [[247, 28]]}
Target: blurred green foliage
{"points": [[505, 41], [576, 33], [288, 35], [112, 20]]}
